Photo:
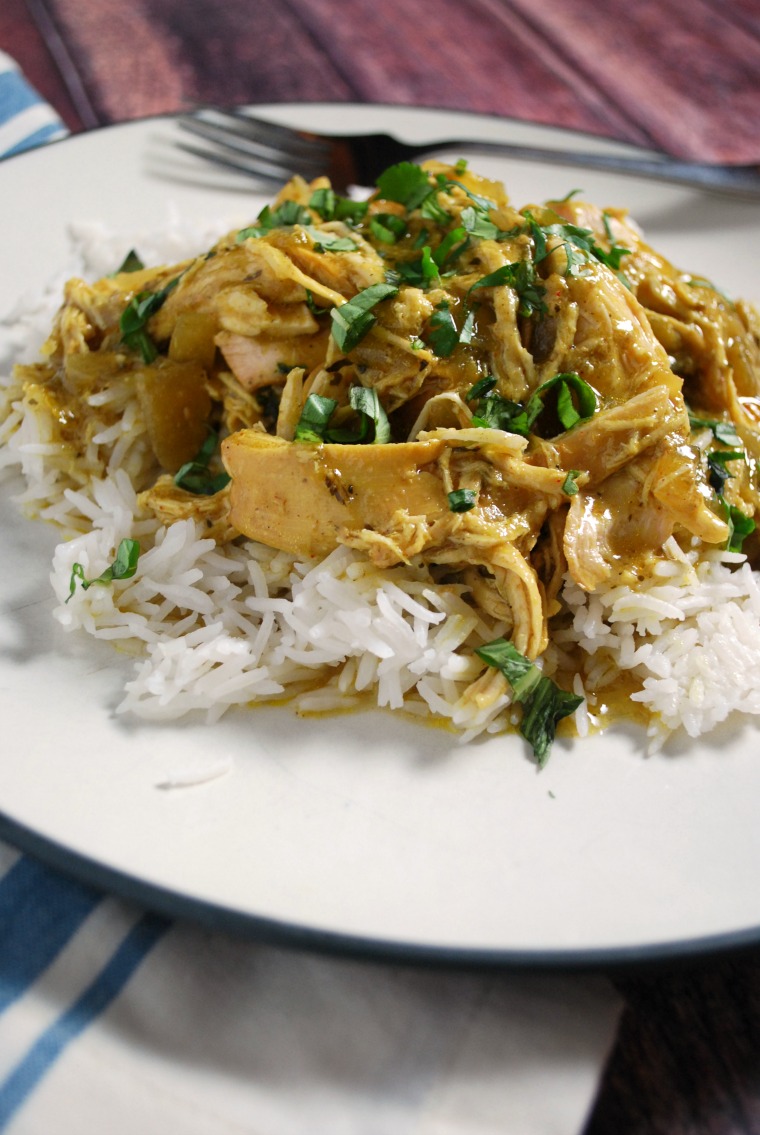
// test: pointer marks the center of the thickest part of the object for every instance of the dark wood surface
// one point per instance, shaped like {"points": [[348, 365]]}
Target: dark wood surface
{"points": [[679, 75]]}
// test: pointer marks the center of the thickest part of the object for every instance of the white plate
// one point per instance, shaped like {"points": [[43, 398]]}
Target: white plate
{"points": [[364, 832]]}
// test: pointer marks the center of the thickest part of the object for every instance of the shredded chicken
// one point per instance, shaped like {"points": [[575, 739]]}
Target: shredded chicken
{"points": [[510, 395]]}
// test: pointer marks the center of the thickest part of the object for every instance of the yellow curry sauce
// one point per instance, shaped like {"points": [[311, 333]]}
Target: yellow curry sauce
{"points": [[510, 395]]}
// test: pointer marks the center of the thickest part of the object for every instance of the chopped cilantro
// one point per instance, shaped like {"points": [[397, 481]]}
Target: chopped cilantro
{"points": [[575, 399], [131, 263], [477, 223], [543, 702], [353, 319], [365, 402], [450, 247], [387, 227], [521, 276], [432, 209], [196, 477], [538, 236], [314, 418], [332, 207], [444, 335], [570, 483], [568, 196], [422, 238], [133, 323], [483, 386], [314, 308], [580, 246], [481, 202], [323, 201], [313, 425], [718, 473], [287, 214], [717, 470], [739, 526], [462, 500], [722, 431], [420, 273], [329, 242], [406, 183], [497, 413], [124, 566], [699, 282]]}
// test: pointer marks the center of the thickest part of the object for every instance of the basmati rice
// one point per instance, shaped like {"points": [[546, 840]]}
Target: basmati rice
{"points": [[219, 627]]}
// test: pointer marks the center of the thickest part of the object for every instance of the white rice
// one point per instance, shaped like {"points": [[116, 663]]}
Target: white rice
{"points": [[217, 627]]}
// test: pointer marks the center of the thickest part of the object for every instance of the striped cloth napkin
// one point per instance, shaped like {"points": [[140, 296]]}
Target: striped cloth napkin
{"points": [[119, 1020], [26, 120]]}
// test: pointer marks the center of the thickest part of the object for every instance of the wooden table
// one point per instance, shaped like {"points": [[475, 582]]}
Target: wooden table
{"points": [[679, 75]]}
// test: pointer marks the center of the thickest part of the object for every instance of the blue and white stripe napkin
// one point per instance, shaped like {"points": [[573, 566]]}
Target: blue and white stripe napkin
{"points": [[26, 120], [115, 1019]]}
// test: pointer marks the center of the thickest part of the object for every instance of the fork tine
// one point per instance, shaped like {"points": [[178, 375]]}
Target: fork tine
{"points": [[251, 167], [283, 141], [255, 153]]}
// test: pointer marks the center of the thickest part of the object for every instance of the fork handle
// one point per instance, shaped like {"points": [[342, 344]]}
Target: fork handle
{"points": [[739, 180]]}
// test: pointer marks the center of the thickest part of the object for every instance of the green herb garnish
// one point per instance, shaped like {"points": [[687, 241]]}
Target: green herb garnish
{"points": [[444, 335], [462, 500], [521, 276], [195, 476], [450, 247], [314, 308], [739, 526], [497, 413], [353, 319], [568, 196], [420, 273], [133, 323], [314, 419], [700, 282], [476, 222], [406, 183], [372, 417], [717, 470], [131, 263], [287, 214], [718, 473], [483, 386], [542, 700], [387, 227], [580, 246], [575, 399], [721, 431], [329, 242], [331, 206], [124, 566], [313, 425], [570, 483]]}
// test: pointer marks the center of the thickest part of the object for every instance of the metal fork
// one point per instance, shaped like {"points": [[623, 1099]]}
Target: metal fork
{"points": [[272, 153]]}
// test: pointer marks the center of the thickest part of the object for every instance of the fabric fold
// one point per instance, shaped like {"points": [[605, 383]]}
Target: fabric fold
{"points": [[26, 119]]}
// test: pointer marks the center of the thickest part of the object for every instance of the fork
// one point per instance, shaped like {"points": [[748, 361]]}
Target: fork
{"points": [[272, 153]]}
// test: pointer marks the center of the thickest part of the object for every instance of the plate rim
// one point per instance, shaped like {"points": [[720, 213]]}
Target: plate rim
{"points": [[300, 936], [172, 904]]}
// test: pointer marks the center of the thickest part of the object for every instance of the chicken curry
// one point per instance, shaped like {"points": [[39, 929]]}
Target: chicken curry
{"points": [[511, 395]]}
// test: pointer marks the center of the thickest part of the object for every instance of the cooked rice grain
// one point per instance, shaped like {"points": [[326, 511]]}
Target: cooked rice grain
{"points": [[223, 627]]}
